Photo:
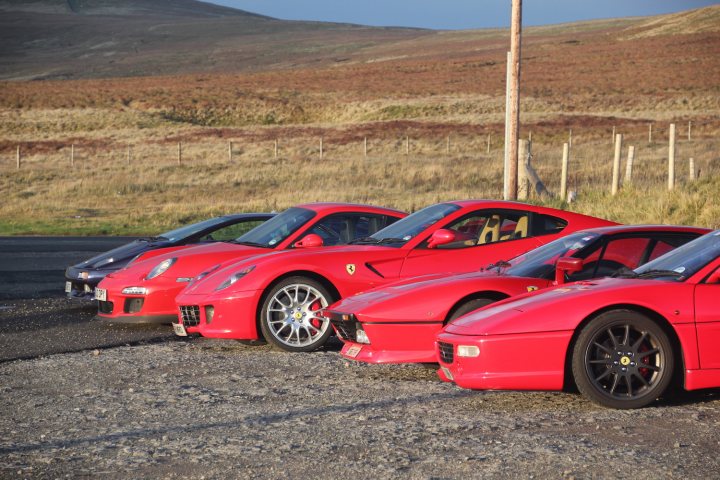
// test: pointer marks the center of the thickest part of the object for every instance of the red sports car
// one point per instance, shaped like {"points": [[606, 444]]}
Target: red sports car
{"points": [[398, 323], [145, 291], [278, 296], [620, 340]]}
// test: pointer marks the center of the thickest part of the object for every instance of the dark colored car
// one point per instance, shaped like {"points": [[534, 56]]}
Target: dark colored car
{"points": [[82, 278]]}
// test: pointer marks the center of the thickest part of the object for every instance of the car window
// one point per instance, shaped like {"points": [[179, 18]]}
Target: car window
{"points": [[230, 232], [339, 229], [485, 227], [615, 255], [546, 224]]}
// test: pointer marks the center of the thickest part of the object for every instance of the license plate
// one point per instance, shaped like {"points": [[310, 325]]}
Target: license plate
{"points": [[101, 294], [68, 287], [179, 330], [353, 351], [88, 288], [447, 373]]}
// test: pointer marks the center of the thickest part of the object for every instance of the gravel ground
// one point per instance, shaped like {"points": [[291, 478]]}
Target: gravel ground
{"points": [[167, 408]]}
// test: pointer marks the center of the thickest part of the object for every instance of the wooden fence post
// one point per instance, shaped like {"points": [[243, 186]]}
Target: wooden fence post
{"points": [[230, 150], [276, 148], [321, 148], [523, 191], [72, 155], [564, 171], [18, 157], [488, 144], [365, 147], [650, 133], [614, 138], [689, 128], [629, 165], [671, 158], [179, 153], [692, 169], [616, 164], [570, 139]]}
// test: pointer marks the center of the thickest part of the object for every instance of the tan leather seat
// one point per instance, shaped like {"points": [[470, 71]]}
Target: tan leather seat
{"points": [[491, 231], [521, 228]]}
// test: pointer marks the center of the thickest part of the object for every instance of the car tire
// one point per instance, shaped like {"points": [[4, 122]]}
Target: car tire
{"points": [[289, 316], [469, 306], [623, 359]]}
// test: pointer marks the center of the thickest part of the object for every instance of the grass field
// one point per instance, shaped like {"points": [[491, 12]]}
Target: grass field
{"points": [[587, 78]]}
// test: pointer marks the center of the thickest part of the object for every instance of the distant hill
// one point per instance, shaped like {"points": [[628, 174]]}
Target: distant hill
{"points": [[185, 8]]}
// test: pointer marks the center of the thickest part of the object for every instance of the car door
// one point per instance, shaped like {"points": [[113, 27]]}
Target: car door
{"points": [[707, 318], [481, 237]]}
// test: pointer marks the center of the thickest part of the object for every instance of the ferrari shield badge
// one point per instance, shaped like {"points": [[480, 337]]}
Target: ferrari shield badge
{"points": [[531, 288], [350, 268]]}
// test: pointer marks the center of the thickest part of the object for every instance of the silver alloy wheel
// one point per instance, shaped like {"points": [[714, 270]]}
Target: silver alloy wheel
{"points": [[293, 316]]}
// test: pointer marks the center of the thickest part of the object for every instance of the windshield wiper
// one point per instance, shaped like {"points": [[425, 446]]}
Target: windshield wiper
{"points": [[250, 244], [363, 240], [659, 273], [500, 264], [625, 272], [392, 240]]}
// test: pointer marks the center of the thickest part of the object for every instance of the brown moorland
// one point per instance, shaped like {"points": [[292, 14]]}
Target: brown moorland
{"points": [[441, 92]]}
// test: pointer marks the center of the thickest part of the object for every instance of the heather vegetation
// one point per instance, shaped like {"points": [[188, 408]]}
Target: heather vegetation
{"points": [[441, 92]]}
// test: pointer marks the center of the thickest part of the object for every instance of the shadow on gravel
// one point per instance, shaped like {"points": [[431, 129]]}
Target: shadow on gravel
{"points": [[256, 420]]}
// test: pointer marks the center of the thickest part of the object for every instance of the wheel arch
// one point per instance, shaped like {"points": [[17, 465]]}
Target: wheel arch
{"points": [[492, 294], [679, 373], [295, 273]]}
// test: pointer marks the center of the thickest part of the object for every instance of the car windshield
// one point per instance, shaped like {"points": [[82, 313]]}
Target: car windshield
{"points": [[400, 232], [540, 262], [189, 230], [274, 231], [685, 261]]}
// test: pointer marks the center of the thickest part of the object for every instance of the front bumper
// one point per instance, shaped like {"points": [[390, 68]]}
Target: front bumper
{"points": [[233, 316], [532, 361], [390, 342], [82, 282], [156, 306]]}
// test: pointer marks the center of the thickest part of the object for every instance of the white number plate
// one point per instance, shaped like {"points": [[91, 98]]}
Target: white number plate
{"points": [[179, 330], [353, 351], [68, 287], [101, 294]]}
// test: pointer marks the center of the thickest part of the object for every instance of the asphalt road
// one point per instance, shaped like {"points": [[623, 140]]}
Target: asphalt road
{"points": [[35, 317]]}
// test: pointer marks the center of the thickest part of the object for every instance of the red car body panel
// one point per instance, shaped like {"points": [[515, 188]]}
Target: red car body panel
{"points": [[236, 308], [401, 320], [524, 342], [159, 300]]}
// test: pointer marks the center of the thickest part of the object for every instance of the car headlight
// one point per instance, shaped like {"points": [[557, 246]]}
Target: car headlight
{"points": [[160, 268], [205, 273], [469, 351], [235, 277]]}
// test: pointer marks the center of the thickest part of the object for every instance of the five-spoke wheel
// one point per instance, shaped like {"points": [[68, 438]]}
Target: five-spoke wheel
{"points": [[623, 359], [290, 315]]}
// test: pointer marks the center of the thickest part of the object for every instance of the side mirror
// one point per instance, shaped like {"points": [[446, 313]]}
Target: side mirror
{"points": [[714, 277], [310, 241], [566, 265], [441, 237]]}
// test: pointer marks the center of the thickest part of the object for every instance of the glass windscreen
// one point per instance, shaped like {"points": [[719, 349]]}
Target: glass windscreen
{"points": [[400, 232], [540, 262], [277, 229], [684, 261], [190, 230]]}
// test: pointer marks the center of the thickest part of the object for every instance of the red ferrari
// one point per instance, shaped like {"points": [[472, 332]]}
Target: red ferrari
{"points": [[278, 297], [622, 341], [145, 291], [398, 323]]}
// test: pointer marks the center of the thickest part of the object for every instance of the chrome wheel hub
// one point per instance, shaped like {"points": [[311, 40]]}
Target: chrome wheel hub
{"points": [[293, 315]]}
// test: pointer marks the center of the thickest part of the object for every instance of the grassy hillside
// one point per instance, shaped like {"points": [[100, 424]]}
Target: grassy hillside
{"points": [[443, 91]]}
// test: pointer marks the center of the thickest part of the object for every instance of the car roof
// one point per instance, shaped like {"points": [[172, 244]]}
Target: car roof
{"points": [[324, 207], [235, 216]]}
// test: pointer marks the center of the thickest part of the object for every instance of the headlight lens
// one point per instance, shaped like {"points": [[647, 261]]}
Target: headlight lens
{"points": [[235, 277], [468, 351], [160, 268], [361, 336], [205, 273]]}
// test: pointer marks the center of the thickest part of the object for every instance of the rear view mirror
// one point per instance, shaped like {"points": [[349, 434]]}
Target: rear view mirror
{"points": [[310, 241], [566, 265], [441, 237]]}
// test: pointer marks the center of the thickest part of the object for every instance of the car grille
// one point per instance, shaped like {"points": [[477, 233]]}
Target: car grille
{"points": [[105, 307], [446, 352], [190, 315], [346, 328]]}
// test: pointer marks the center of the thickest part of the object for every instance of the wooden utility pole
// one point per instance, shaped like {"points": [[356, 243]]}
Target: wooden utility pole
{"points": [[616, 164], [523, 190], [506, 154], [515, 42], [671, 158]]}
